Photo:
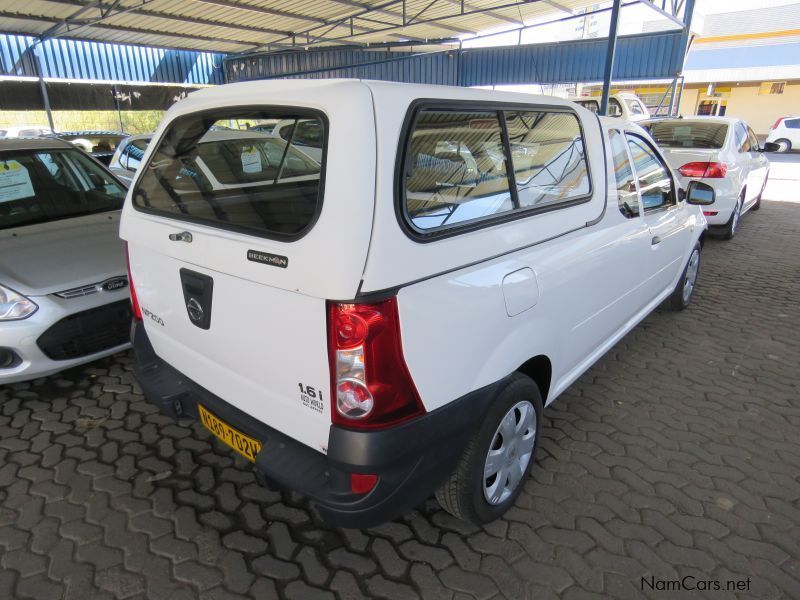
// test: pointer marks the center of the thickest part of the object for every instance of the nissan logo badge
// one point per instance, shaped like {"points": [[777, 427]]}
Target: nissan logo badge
{"points": [[117, 283], [195, 310]]}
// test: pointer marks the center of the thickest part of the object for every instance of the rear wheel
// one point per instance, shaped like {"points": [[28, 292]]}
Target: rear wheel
{"points": [[498, 459], [733, 223], [784, 145], [684, 292]]}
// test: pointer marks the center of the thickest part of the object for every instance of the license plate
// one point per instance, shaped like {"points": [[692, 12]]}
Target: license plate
{"points": [[243, 444]]}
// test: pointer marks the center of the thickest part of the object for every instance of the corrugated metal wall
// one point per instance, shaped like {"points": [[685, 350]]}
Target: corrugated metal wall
{"points": [[73, 59], [647, 56], [440, 67]]}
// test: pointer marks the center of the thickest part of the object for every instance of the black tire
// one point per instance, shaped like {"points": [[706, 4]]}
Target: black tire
{"points": [[462, 494], [757, 204], [732, 226], [678, 300], [784, 145]]}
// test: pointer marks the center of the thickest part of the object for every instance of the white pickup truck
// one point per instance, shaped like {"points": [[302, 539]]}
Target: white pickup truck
{"points": [[388, 321]]}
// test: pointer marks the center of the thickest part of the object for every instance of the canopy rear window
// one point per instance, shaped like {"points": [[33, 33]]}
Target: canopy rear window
{"points": [[229, 169], [688, 134]]}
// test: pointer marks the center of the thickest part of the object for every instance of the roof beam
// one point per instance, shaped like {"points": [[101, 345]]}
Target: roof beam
{"points": [[487, 11], [558, 6], [434, 21], [664, 13], [153, 32], [381, 8], [139, 9]]}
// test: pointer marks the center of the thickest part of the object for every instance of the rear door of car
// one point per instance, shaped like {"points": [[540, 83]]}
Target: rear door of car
{"points": [[237, 238], [758, 166]]}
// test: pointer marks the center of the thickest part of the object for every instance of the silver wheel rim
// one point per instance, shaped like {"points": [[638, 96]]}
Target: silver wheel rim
{"points": [[509, 453], [735, 222], [691, 275], [783, 146]]}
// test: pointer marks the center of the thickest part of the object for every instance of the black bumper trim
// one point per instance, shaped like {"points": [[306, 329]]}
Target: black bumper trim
{"points": [[411, 460]]}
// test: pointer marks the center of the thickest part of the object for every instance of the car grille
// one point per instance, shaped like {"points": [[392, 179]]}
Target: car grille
{"points": [[93, 288], [88, 332]]}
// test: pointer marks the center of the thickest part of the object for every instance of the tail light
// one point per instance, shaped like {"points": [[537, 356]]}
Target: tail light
{"points": [[710, 213], [135, 308], [370, 383], [704, 170], [778, 122]]}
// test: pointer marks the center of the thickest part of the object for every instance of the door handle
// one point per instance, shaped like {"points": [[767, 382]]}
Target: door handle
{"points": [[655, 241], [183, 236]]}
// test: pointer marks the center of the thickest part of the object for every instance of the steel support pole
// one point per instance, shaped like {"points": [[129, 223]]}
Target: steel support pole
{"points": [[610, 51], [42, 86]]}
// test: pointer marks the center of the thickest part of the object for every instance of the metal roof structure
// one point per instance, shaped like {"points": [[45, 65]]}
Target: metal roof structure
{"points": [[240, 26]]}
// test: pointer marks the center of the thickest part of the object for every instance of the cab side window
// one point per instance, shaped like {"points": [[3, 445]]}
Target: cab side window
{"points": [[655, 182], [627, 195]]}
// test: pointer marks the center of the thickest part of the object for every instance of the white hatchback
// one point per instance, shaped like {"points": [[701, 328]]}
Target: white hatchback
{"points": [[388, 322], [624, 105], [785, 134], [723, 152]]}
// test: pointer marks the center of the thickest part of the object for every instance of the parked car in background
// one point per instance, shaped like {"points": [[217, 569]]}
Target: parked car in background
{"points": [[25, 131], [721, 151], [63, 296], [128, 156], [785, 134], [306, 134], [100, 144], [390, 321], [624, 105]]}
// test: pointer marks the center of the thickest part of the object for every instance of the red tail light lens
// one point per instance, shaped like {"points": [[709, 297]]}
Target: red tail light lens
{"points": [[711, 213], [704, 170], [135, 308], [778, 122], [370, 383]]}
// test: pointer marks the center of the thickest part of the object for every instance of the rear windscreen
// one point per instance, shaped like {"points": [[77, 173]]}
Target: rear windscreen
{"points": [[233, 170], [687, 134]]}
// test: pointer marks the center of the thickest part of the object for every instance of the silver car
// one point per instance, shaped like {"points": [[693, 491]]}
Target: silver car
{"points": [[63, 284], [128, 156]]}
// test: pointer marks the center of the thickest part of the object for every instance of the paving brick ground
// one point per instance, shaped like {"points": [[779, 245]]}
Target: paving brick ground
{"points": [[677, 454]]}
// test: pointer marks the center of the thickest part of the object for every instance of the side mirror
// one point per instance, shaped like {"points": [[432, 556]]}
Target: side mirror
{"points": [[770, 147], [700, 194]]}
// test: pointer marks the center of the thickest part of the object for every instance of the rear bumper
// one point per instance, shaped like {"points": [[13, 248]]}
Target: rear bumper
{"points": [[410, 460]]}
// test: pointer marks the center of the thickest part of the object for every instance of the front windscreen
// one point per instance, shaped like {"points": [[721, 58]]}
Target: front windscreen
{"points": [[232, 170], [688, 134], [47, 185]]}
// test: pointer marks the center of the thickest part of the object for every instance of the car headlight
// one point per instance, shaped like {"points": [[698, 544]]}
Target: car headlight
{"points": [[14, 306]]}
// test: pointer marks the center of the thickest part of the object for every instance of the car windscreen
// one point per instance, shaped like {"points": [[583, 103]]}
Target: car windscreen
{"points": [[217, 169], [688, 134], [47, 185]]}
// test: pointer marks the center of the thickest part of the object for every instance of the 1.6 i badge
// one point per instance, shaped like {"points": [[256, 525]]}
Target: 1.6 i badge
{"points": [[311, 397]]}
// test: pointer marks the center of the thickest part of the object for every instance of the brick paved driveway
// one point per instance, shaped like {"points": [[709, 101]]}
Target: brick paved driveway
{"points": [[678, 454]]}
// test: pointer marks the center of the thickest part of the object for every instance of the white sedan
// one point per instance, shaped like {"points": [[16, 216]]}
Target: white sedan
{"points": [[721, 151]]}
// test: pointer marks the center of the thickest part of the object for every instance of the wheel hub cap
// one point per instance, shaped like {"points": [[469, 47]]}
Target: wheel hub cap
{"points": [[691, 275], [509, 452]]}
